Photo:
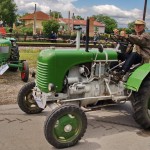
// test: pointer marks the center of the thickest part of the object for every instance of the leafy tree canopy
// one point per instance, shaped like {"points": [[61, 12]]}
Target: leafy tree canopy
{"points": [[49, 26], [8, 10], [78, 17], [128, 30], [131, 25], [109, 22], [55, 14]]}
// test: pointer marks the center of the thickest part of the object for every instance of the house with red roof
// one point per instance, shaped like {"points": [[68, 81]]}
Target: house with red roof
{"points": [[65, 23], [71, 23], [39, 16]]}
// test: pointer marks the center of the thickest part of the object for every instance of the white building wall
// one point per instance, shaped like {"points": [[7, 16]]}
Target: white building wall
{"points": [[101, 29]]}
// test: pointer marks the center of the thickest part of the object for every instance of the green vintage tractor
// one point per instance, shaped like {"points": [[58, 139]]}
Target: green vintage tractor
{"points": [[72, 81], [9, 58]]}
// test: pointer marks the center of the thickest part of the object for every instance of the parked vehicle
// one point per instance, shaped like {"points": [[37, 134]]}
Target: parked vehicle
{"points": [[9, 58], [69, 80]]}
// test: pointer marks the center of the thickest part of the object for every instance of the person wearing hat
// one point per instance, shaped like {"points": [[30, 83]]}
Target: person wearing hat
{"points": [[141, 45]]}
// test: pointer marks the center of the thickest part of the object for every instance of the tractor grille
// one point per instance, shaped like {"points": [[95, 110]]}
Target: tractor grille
{"points": [[42, 76], [4, 54], [4, 49]]}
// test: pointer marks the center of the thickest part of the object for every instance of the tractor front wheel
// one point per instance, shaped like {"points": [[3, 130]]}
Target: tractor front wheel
{"points": [[26, 100], [141, 104], [65, 126], [25, 71]]}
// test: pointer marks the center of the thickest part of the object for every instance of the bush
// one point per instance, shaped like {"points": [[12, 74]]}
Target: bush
{"points": [[49, 26], [26, 30], [67, 36], [21, 30]]}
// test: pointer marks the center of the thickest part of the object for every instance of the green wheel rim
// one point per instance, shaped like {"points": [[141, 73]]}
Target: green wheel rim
{"points": [[67, 128]]}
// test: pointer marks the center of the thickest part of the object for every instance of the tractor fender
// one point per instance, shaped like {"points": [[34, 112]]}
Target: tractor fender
{"points": [[136, 78]]}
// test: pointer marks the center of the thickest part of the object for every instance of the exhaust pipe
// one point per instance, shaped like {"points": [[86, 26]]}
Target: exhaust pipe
{"points": [[87, 34]]}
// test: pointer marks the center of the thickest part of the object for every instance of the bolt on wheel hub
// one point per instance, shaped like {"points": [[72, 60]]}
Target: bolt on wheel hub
{"points": [[68, 128]]}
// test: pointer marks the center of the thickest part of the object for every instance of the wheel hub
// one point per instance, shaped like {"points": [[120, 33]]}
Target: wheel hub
{"points": [[65, 126], [30, 99], [68, 128]]}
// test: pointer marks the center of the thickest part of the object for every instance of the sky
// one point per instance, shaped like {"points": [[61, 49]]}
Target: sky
{"points": [[123, 11]]}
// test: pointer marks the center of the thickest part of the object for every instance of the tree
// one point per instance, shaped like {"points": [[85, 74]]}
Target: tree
{"points": [[131, 25], [109, 22], [78, 18], [18, 22], [55, 14], [49, 26], [128, 30], [8, 10]]}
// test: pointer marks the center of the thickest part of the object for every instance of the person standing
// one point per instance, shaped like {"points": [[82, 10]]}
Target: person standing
{"points": [[95, 39]]}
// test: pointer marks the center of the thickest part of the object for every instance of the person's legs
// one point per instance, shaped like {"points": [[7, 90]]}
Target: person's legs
{"points": [[121, 56], [133, 58]]}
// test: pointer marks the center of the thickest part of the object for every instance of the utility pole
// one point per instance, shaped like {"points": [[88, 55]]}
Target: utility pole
{"points": [[144, 12], [69, 21], [34, 25], [87, 34], [50, 13], [72, 21]]}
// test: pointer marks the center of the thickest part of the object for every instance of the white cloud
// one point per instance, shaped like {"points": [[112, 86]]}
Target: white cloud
{"points": [[123, 17], [114, 11], [67, 1], [62, 6]]}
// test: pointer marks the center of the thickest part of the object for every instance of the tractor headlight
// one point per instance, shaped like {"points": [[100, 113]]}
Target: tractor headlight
{"points": [[51, 87]]}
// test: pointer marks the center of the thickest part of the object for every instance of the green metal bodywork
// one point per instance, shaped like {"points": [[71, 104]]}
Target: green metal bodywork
{"points": [[5, 45], [53, 65], [74, 121], [137, 77], [5, 52], [19, 65]]}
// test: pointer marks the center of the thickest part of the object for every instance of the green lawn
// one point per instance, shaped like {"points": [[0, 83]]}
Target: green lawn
{"points": [[31, 57]]}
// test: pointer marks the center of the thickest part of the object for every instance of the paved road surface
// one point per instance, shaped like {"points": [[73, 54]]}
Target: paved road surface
{"points": [[112, 128]]}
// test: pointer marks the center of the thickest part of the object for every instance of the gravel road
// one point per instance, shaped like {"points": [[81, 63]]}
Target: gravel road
{"points": [[10, 84]]}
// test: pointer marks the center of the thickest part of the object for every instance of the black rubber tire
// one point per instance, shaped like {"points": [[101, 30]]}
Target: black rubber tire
{"points": [[25, 72], [14, 57], [25, 99], [141, 104], [55, 117]]}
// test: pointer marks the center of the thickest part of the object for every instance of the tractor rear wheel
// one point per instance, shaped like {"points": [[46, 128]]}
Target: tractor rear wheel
{"points": [[65, 126], [14, 58], [26, 100], [141, 104]]}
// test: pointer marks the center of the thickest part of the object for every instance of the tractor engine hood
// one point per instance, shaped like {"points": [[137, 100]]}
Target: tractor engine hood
{"points": [[54, 64], [4, 50], [5, 42]]}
